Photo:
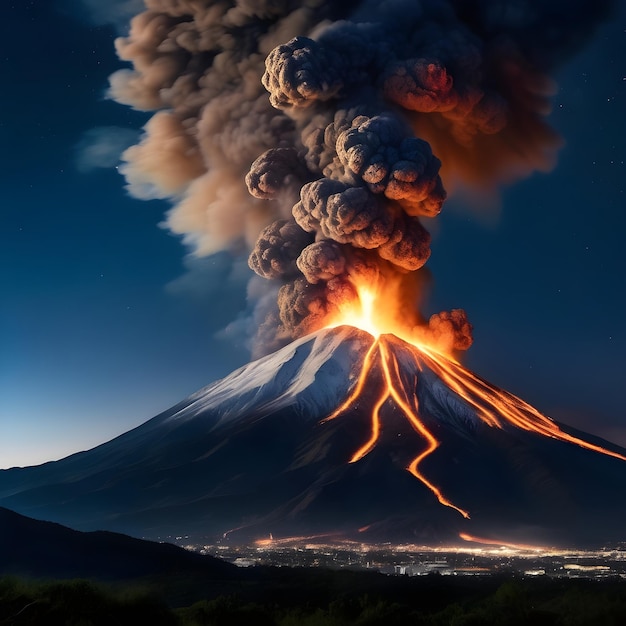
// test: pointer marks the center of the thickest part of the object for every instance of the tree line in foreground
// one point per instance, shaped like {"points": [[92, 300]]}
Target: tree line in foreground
{"points": [[431, 602]]}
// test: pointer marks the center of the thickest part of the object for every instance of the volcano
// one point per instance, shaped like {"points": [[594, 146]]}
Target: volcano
{"points": [[348, 436]]}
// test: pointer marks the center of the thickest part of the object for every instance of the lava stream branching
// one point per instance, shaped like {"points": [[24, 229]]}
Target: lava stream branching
{"points": [[496, 408], [394, 389]]}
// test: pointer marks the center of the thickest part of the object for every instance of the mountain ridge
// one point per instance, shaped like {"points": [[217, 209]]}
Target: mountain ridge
{"points": [[42, 549]]}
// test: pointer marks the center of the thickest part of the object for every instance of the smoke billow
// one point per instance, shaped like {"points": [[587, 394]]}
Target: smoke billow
{"points": [[318, 135]]}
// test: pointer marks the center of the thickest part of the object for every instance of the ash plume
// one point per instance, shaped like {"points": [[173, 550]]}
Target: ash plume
{"points": [[318, 135]]}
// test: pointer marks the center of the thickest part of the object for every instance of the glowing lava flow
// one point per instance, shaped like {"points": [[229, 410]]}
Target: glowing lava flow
{"points": [[394, 389], [494, 407], [497, 407]]}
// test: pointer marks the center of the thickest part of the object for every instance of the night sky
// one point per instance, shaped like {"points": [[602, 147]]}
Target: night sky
{"points": [[106, 320]]}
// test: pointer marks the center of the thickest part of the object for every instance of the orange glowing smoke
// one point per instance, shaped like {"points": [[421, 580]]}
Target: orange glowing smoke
{"points": [[495, 407]]}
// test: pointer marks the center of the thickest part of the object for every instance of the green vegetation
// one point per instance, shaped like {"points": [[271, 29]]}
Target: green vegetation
{"points": [[77, 603], [318, 598]]}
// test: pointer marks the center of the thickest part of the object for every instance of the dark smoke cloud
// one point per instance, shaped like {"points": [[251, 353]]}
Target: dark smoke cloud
{"points": [[275, 172], [305, 307], [319, 134], [322, 261], [278, 247]]}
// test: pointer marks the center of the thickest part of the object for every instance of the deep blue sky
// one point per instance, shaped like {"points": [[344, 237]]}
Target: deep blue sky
{"points": [[102, 326]]}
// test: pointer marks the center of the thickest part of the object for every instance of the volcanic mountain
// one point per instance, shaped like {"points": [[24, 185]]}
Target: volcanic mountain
{"points": [[343, 435]]}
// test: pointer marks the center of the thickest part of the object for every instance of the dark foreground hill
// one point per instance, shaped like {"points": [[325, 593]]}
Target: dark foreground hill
{"points": [[41, 549]]}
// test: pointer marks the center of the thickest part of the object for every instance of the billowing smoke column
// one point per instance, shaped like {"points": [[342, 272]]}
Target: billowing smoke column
{"points": [[319, 134]]}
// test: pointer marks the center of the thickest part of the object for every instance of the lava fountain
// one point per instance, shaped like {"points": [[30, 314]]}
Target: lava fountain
{"points": [[494, 407]]}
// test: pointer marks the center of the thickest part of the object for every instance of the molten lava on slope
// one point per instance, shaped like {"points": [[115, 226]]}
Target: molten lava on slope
{"points": [[494, 407]]}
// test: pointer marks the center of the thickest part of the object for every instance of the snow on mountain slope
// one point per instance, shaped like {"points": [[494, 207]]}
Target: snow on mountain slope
{"points": [[311, 374]]}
